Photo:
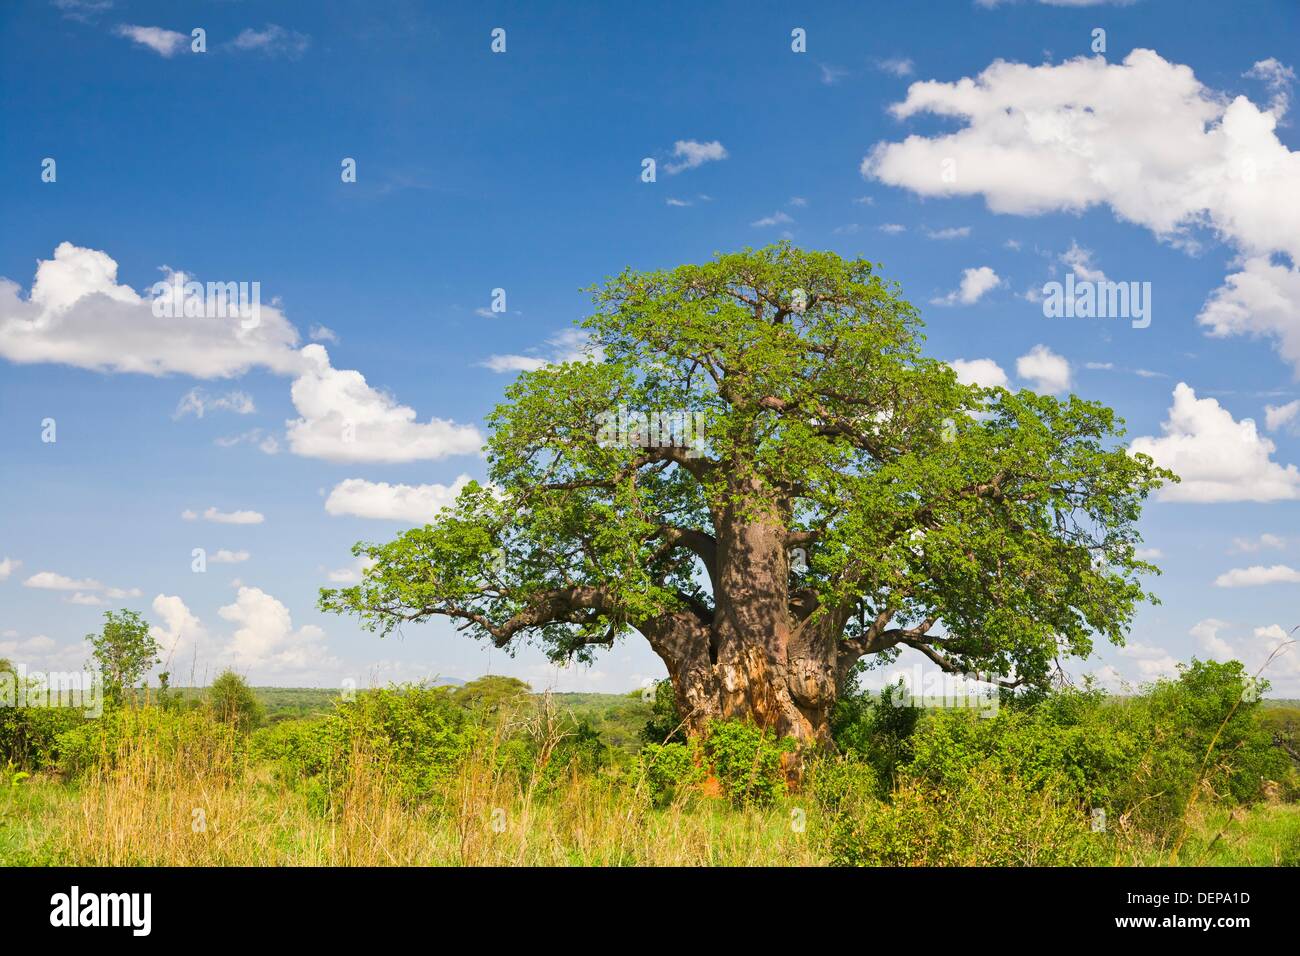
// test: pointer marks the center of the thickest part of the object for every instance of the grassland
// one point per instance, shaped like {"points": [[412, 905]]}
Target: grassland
{"points": [[144, 814], [485, 775]]}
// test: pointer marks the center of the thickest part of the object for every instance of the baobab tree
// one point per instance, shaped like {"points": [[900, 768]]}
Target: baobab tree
{"points": [[758, 471]]}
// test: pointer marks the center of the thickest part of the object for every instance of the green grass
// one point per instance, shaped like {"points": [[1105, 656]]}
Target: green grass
{"points": [[26, 811], [40, 820], [1262, 835], [582, 806]]}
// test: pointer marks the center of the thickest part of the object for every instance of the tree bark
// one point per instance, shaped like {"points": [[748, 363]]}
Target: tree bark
{"points": [[770, 677], [755, 659]]}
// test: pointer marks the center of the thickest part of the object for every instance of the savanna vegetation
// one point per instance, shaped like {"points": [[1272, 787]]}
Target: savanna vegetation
{"points": [[1186, 772]]}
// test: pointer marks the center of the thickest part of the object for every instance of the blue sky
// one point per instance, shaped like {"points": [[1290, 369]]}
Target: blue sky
{"points": [[1171, 158]]}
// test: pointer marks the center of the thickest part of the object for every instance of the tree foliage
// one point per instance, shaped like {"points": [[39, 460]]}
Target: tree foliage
{"points": [[233, 702], [124, 650]]}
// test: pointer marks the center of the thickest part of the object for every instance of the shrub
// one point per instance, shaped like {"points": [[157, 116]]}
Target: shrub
{"points": [[984, 819], [416, 736], [671, 770], [579, 751], [665, 725], [839, 784], [1213, 711], [1083, 745], [747, 761], [876, 729], [1138, 758], [492, 694], [232, 701], [29, 735], [186, 739]]}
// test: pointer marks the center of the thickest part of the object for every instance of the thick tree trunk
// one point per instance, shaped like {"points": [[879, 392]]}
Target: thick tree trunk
{"points": [[789, 690], [753, 661], [791, 696]]}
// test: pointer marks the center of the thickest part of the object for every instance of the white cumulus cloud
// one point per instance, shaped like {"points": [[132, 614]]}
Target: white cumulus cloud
{"points": [[87, 589], [180, 635], [690, 154], [1152, 662], [974, 284], [1260, 301], [1279, 416], [1256, 575], [1143, 137], [418, 504], [166, 43], [1047, 372], [985, 373], [266, 639], [53, 581], [570, 345], [1217, 457], [1206, 633], [345, 419], [78, 314]]}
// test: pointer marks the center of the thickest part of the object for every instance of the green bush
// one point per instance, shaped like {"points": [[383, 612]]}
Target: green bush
{"points": [[1217, 706], [877, 729], [665, 725], [670, 770], [416, 735], [492, 694], [1138, 758], [300, 746], [232, 701], [984, 819], [580, 751], [839, 784], [29, 735], [191, 737], [747, 761], [1082, 744]]}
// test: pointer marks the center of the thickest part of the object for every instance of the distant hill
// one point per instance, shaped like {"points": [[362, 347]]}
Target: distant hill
{"points": [[286, 703]]}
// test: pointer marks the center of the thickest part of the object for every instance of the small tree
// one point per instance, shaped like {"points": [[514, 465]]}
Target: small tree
{"points": [[124, 651], [233, 702], [492, 693]]}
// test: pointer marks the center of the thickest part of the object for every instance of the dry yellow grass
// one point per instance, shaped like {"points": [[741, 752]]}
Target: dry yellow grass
{"points": [[168, 795], [208, 807]]}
